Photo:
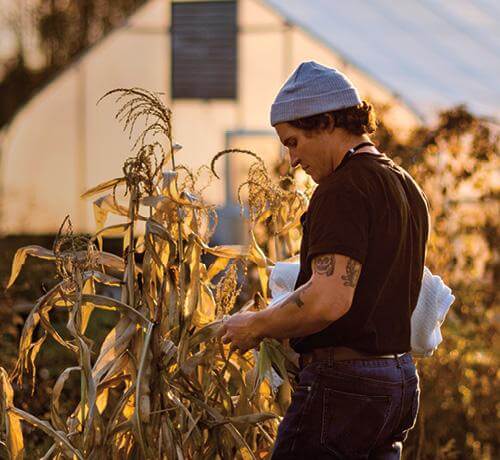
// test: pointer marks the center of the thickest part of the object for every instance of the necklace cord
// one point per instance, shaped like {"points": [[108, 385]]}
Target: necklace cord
{"points": [[352, 151]]}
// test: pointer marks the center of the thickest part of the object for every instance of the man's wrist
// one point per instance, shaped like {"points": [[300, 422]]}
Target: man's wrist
{"points": [[258, 325]]}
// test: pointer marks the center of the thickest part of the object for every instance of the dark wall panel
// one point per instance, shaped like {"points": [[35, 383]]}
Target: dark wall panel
{"points": [[204, 50]]}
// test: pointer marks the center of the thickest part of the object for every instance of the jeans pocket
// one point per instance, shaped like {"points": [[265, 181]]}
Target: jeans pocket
{"points": [[352, 422]]}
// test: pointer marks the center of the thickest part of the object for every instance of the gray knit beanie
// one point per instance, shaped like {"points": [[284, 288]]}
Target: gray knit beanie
{"points": [[310, 90]]}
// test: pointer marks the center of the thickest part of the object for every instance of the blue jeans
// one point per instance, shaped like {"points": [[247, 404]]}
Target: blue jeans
{"points": [[359, 409]]}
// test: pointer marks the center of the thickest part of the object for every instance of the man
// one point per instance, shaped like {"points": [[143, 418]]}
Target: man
{"points": [[361, 264]]}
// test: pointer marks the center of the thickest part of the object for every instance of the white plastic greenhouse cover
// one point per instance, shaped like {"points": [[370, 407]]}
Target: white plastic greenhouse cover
{"points": [[432, 53]]}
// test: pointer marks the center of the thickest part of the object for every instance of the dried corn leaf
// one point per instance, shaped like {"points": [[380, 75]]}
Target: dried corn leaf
{"points": [[129, 407], [52, 453], [151, 251], [290, 225], [189, 366], [193, 428], [168, 253], [217, 266], [60, 438], [218, 417], [55, 408], [126, 242], [193, 253], [47, 326], [27, 350], [104, 206], [108, 185], [249, 419], [139, 244], [232, 251], [90, 419], [102, 278], [14, 434], [179, 404], [88, 288], [206, 308], [153, 201], [20, 258], [256, 254], [167, 431], [33, 353], [264, 365], [258, 257], [121, 368], [107, 303], [118, 411], [245, 455], [144, 373], [182, 199], [100, 257], [138, 427], [103, 258], [204, 334], [111, 230], [114, 345], [110, 260], [102, 400]]}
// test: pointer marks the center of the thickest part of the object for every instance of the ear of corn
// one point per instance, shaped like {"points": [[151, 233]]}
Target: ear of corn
{"points": [[161, 385]]}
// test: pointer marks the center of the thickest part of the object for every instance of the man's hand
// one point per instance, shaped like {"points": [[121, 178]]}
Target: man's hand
{"points": [[240, 331]]}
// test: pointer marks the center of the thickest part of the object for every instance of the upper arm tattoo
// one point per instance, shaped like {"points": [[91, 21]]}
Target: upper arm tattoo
{"points": [[352, 272], [324, 265]]}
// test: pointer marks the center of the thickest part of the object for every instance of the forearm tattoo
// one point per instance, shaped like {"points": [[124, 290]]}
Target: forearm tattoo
{"points": [[353, 269], [295, 297], [324, 265]]}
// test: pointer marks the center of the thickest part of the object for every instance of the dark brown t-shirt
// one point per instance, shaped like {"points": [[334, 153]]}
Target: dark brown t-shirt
{"points": [[370, 210]]}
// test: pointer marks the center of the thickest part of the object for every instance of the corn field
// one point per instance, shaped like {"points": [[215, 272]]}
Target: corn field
{"points": [[161, 385]]}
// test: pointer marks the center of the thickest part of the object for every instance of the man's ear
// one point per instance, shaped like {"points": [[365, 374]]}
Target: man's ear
{"points": [[330, 123]]}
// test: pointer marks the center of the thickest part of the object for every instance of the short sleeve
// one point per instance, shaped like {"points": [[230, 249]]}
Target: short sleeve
{"points": [[339, 224]]}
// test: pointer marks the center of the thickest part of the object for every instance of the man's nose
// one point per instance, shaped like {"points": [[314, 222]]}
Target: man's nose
{"points": [[294, 161]]}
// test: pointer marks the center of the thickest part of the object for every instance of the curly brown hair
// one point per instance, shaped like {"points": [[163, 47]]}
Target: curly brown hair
{"points": [[360, 119]]}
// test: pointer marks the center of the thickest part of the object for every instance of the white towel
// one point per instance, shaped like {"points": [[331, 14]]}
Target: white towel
{"points": [[434, 301], [282, 279]]}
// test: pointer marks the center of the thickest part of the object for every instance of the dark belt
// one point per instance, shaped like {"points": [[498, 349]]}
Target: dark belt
{"points": [[333, 354]]}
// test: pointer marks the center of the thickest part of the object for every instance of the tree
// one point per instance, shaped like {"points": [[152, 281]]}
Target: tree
{"points": [[456, 162], [64, 30]]}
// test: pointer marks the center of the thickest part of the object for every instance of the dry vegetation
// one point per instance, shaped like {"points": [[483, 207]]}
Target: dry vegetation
{"points": [[160, 385]]}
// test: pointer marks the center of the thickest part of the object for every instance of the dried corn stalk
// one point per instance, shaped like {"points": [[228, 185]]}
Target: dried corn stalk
{"points": [[178, 393]]}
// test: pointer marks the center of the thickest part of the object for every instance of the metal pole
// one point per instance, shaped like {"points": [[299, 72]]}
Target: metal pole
{"points": [[81, 146], [287, 49]]}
